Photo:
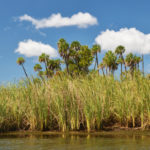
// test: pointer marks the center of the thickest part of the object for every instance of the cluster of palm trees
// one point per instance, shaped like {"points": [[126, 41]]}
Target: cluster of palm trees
{"points": [[51, 66], [77, 59], [112, 60]]}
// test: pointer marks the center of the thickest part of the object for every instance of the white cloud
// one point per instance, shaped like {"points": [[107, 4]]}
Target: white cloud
{"points": [[31, 48], [81, 20], [132, 39]]}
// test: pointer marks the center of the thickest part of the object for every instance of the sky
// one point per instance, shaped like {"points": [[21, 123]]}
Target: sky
{"points": [[30, 27]]}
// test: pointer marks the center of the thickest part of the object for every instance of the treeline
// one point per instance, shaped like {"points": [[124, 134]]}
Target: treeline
{"points": [[75, 98], [78, 58]]}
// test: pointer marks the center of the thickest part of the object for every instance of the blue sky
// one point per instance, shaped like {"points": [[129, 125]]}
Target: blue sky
{"points": [[110, 14]]}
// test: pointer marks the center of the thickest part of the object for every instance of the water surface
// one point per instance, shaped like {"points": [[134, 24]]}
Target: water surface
{"points": [[98, 141]]}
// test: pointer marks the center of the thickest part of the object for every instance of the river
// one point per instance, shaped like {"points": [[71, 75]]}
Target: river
{"points": [[127, 140]]}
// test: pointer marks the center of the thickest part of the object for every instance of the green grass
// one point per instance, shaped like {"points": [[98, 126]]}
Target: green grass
{"points": [[71, 104]]}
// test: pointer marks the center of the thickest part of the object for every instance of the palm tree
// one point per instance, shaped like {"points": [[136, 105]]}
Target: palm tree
{"points": [[21, 61], [119, 51], [129, 59], [121, 61], [41, 74], [37, 67], [44, 58], [139, 59], [58, 64], [105, 64], [101, 66], [53, 66], [95, 50], [110, 61], [64, 52], [75, 47], [86, 58], [131, 62]]}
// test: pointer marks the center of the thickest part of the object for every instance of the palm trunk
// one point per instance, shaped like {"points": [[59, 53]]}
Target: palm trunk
{"points": [[109, 71], [77, 62], [132, 70], [113, 71], [46, 69], [103, 72], [125, 67], [106, 71], [67, 67], [121, 68], [25, 71], [95, 65], [41, 77], [143, 64], [97, 59]]}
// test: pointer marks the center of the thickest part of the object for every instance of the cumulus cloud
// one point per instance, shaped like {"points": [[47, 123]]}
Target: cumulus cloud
{"points": [[81, 20], [31, 48], [132, 39]]}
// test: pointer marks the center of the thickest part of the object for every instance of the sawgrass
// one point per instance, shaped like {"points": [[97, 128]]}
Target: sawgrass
{"points": [[67, 103]]}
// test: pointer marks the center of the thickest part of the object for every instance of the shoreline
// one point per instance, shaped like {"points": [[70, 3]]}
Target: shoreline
{"points": [[107, 131]]}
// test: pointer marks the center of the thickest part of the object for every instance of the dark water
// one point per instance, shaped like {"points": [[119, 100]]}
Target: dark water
{"points": [[99, 141]]}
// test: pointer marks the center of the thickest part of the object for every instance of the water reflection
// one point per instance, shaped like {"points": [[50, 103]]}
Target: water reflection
{"points": [[103, 141]]}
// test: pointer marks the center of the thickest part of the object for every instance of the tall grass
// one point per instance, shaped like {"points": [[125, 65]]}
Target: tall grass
{"points": [[84, 103]]}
